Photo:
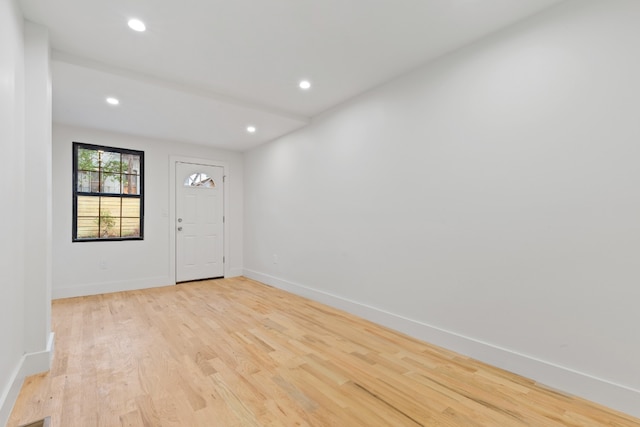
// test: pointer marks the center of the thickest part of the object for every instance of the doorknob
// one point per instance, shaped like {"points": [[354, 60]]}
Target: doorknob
{"points": [[179, 219], [179, 228]]}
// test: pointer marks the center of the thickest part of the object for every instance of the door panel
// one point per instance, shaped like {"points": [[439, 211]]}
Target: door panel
{"points": [[199, 222]]}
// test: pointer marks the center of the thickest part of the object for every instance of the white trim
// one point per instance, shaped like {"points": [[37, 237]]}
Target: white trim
{"points": [[172, 211], [608, 393], [30, 364], [108, 287], [10, 393], [40, 361]]}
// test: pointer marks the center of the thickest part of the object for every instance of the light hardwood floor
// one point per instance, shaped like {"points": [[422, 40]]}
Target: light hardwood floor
{"points": [[235, 352]]}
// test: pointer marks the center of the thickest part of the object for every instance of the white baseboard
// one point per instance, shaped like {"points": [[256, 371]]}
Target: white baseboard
{"points": [[29, 364], [108, 287], [607, 393], [40, 361], [10, 393]]}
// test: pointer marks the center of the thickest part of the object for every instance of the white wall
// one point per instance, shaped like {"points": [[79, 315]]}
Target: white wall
{"points": [[25, 114], [85, 268], [488, 202], [37, 191], [11, 189]]}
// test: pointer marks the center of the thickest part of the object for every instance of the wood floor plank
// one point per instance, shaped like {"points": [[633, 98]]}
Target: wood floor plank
{"points": [[237, 353]]}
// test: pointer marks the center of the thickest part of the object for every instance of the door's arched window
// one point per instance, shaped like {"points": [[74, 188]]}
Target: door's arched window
{"points": [[199, 179]]}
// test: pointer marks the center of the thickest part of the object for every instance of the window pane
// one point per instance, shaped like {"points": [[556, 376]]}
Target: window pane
{"points": [[87, 159], [131, 164], [130, 208], [110, 206], [88, 228], [111, 183], [111, 162], [95, 182], [84, 182], [131, 184], [199, 179], [130, 227], [88, 206], [88, 182], [109, 226]]}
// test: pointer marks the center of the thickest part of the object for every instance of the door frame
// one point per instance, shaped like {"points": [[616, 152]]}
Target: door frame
{"points": [[172, 209]]}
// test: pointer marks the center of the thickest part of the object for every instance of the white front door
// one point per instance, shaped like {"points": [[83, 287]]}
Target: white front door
{"points": [[199, 222]]}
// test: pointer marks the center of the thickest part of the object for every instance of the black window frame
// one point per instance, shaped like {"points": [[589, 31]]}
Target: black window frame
{"points": [[81, 145]]}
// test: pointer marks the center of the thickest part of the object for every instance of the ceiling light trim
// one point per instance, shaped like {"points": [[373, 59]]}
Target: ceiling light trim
{"points": [[137, 25], [304, 84]]}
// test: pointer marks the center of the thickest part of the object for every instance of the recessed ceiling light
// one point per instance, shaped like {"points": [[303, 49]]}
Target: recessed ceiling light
{"points": [[137, 25], [304, 84], [251, 129], [113, 101]]}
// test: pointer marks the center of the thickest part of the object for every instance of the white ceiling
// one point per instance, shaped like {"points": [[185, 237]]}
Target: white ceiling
{"points": [[205, 69]]}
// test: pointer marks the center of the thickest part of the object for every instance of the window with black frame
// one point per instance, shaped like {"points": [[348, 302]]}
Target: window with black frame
{"points": [[108, 193]]}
